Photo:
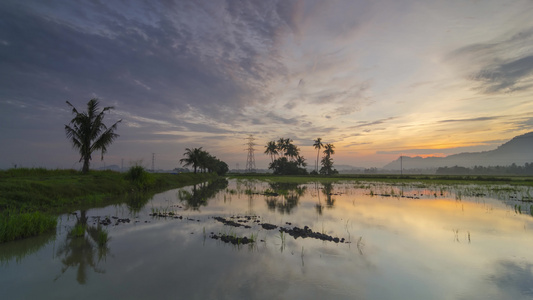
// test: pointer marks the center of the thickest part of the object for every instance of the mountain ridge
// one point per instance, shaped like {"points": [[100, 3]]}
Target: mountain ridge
{"points": [[518, 150]]}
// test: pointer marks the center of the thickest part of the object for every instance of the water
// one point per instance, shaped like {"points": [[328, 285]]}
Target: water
{"points": [[400, 242]]}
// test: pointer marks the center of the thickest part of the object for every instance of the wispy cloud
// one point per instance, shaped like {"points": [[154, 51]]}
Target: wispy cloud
{"points": [[372, 123], [479, 119], [501, 65]]}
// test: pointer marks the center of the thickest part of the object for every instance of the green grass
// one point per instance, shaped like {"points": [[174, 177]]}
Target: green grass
{"points": [[394, 178], [59, 191], [31, 198], [22, 225]]}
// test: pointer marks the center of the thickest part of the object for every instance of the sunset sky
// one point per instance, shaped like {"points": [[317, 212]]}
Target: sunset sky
{"points": [[378, 79]]}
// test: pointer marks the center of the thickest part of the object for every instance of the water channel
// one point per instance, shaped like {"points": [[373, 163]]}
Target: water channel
{"points": [[358, 240]]}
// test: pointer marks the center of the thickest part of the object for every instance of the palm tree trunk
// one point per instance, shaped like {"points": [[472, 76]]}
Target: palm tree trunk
{"points": [[317, 153], [85, 168]]}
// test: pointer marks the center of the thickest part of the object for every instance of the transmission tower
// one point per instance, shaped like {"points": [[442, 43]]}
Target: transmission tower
{"points": [[250, 160]]}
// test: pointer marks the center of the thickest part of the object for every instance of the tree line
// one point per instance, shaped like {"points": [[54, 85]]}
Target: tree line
{"points": [[513, 169], [201, 160], [286, 159]]}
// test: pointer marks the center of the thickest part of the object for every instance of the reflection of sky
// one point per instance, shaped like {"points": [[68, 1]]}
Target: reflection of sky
{"points": [[429, 248]]}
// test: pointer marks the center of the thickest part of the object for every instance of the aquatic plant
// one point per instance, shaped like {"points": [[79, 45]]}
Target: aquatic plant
{"points": [[102, 237], [78, 230]]}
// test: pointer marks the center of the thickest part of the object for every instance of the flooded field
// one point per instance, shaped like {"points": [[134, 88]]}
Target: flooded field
{"points": [[250, 239]]}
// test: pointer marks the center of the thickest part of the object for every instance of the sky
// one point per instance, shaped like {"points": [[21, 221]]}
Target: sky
{"points": [[378, 79]]}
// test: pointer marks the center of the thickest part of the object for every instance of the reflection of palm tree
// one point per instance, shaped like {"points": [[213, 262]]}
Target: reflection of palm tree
{"points": [[328, 192], [78, 250], [318, 206], [291, 193], [201, 193]]}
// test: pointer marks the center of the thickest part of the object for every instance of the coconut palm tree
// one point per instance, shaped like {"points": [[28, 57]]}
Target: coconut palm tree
{"points": [[318, 145], [300, 160], [282, 145], [192, 158], [271, 149], [292, 151], [329, 149], [327, 161], [88, 133]]}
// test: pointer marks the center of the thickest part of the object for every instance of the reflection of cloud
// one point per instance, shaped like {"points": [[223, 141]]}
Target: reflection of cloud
{"points": [[513, 279], [509, 280]]}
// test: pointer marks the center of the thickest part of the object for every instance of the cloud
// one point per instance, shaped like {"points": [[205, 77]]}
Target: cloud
{"points": [[480, 146], [509, 76], [470, 119], [502, 65], [368, 124], [185, 53]]}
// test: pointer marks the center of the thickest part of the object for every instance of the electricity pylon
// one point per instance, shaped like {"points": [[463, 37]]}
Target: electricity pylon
{"points": [[250, 160]]}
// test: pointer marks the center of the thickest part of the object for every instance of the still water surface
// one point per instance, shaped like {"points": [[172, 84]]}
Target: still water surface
{"points": [[401, 242]]}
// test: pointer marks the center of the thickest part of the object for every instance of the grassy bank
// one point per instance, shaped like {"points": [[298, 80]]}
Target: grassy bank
{"points": [[30, 199], [433, 179]]}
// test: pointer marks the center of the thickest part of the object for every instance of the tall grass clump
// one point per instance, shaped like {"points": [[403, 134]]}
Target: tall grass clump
{"points": [[22, 225], [139, 177]]}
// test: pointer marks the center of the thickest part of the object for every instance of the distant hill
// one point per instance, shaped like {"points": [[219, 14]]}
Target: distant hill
{"points": [[518, 150]]}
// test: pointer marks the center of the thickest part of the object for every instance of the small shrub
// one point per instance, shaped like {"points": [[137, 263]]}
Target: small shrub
{"points": [[139, 177]]}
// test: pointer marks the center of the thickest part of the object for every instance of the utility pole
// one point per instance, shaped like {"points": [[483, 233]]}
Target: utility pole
{"points": [[250, 160], [153, 162]]}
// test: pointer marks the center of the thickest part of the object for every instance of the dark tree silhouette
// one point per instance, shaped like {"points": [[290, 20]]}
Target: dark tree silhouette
{"points": [[318, 145], [289, 161], [271, 149], [88, 133], [192, 158], [327, 161]]}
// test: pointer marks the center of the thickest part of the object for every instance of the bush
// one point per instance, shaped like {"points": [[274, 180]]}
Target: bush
{"points": [[139, 177], [282, 166]]}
